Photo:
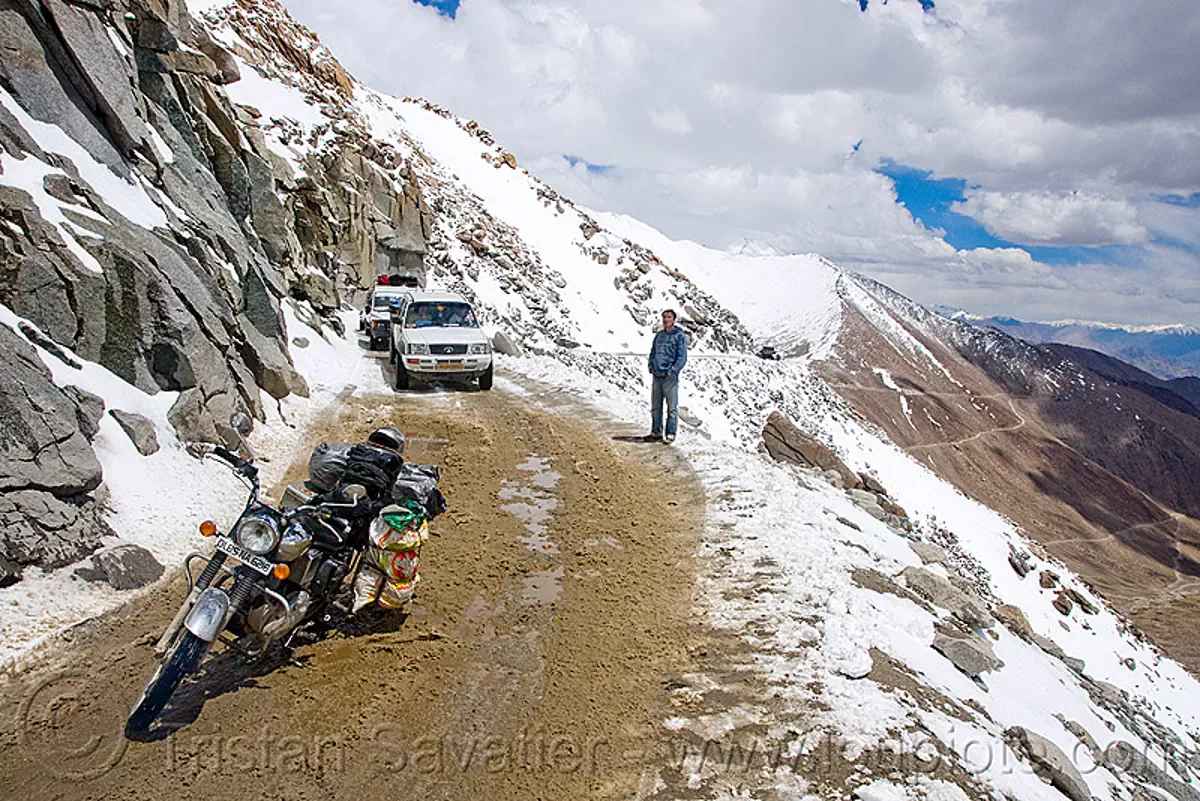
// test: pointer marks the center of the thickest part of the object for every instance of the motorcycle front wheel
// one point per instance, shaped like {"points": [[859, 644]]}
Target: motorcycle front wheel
{"points": [[184, 658]]}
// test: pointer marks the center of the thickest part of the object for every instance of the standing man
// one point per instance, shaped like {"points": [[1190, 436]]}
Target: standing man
{"points": [[668, 355]]}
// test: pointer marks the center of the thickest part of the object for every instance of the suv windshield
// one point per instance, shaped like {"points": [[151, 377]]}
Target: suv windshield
{"points": [[385, 301], [449, 314]]}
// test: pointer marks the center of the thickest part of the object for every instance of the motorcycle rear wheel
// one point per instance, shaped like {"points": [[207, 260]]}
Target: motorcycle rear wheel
{"points": [[184, 658]]}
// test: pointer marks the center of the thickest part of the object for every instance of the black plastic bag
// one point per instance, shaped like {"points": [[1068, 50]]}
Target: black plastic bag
{"points": [[327, 465], [418, 482], [374, 468]]}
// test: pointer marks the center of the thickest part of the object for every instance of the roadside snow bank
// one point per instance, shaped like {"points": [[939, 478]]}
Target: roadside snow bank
{"points": [[785, 556], [158, 501]]}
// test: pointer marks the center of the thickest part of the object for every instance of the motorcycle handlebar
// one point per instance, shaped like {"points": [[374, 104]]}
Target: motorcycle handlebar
{"points": [[238, 463]]}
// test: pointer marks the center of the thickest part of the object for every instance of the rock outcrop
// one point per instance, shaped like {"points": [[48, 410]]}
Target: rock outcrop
{"points": [[140, 430], [787, 443], [49, 476], [123, 567], [968, 652], [161, 239]]}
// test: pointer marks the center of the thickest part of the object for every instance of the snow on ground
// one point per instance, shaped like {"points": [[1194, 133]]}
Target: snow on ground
{"points": [[809, 625], [158, 501]]}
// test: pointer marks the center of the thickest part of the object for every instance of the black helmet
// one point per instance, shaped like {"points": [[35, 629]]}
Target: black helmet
{"points": [[388, 437]]}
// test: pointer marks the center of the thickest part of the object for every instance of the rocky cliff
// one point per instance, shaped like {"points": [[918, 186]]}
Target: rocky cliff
{"points": [[146, 226]]}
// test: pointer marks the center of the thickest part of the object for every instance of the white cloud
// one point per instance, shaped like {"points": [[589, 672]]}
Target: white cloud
{"points": [[1045, 218], [673, 120], [763, 121]]}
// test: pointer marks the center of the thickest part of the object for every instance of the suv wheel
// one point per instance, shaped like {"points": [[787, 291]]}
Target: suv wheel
{"points": [[485, 380], [401, 380]]}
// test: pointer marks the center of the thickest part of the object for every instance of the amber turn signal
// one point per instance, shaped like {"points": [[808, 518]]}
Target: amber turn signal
{"points": [[281, 572], [208, 528]]}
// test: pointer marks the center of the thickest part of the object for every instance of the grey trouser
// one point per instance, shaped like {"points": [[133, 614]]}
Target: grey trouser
{"points": [[665, 390]]}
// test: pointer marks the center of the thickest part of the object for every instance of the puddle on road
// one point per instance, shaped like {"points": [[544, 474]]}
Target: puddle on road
{"points": [[541, 475], [542, 587], [532, 502]]}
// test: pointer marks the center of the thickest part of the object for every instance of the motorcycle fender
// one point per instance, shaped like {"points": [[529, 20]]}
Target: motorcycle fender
{"points": [[208, 616]]}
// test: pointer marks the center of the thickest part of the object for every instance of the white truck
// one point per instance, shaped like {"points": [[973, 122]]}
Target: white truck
{"points": [[436, 336], [375, 318]]}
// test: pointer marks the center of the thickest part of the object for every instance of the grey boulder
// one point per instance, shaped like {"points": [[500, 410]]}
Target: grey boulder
{"points": [[89, 409], [967, 607], [930, 553], [1049, 763], [1014, 619], [969, 653], [1124, 758], [124, 567], [503, 343], [139, 429], [1048, 645], [787, 443]]}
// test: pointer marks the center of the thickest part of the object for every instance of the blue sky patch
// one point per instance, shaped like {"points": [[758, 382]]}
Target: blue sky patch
{"points": [[1189, 201], [595, 169], [929, 200], [928, 5], [447, 8]]}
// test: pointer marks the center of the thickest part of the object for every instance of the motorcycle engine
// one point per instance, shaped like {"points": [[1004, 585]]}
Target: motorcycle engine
{"points": [[269, 620]]}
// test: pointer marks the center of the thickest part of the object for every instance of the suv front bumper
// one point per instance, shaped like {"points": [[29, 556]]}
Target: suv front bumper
{"points": [[448, 366]]}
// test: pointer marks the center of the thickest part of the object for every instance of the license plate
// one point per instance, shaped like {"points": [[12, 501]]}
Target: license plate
{"points": [[245, 556], [449, 365]]}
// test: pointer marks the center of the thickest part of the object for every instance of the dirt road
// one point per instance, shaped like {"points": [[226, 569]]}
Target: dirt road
{"points": [[551, 622]]}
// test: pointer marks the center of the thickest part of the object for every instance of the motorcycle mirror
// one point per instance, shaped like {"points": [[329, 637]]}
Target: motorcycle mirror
{"points": [[355, 492], [241, 423]]}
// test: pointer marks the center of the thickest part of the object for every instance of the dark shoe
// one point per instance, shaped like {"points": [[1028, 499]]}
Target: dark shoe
{"points": [[652, 438]]}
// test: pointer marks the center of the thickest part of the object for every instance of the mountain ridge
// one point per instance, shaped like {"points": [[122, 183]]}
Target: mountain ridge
{"points": [[1169, 351]]}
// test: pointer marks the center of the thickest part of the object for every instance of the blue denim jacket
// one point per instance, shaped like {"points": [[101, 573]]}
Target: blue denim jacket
{"points": [[668, 354]]}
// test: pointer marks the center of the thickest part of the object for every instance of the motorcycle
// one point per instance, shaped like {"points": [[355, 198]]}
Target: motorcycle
{"points": [[273, 573]]}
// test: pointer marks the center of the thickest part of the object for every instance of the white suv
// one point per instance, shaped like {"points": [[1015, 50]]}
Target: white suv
{"points": [[435, 335], [375, 318]]}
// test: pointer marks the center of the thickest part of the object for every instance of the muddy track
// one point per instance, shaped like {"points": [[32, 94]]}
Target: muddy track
{"points": [[553, 615]]}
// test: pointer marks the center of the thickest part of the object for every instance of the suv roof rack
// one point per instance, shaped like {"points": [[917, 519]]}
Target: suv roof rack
{"points": [[398, 280]]}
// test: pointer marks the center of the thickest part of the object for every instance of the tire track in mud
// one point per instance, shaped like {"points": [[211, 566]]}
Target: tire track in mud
{"points": [[553, 616]]}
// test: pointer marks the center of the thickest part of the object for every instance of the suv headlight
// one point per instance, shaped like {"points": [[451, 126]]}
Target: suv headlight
{"points": [[481, 348], [418, 349], [258, 534]]}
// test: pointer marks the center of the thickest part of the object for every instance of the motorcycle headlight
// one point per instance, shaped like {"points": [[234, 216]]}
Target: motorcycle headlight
{"points": [[482, 348], [258, 534], [418, 349]]}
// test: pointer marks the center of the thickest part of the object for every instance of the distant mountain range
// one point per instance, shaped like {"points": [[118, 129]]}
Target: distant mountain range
{"points": [[1168, 351]]}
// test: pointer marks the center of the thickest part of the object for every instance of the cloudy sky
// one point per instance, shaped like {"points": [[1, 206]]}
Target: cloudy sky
{"points": [[1037, 158]]}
